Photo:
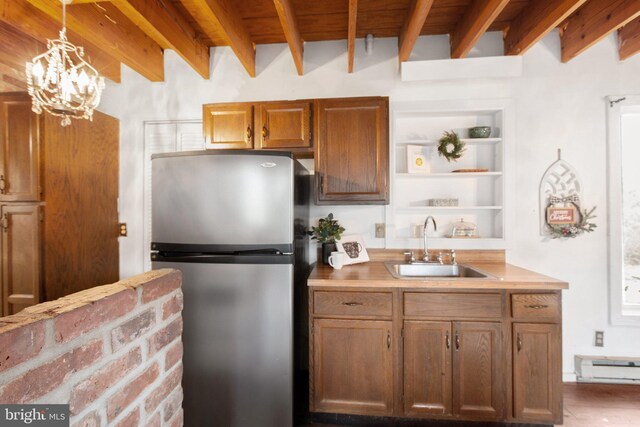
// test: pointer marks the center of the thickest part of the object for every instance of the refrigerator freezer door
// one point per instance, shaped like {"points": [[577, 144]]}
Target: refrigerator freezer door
{"points": [[222, 198], [238, 345]]}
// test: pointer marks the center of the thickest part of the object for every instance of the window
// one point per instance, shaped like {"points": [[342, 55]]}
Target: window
{"points": [[624, 209]]}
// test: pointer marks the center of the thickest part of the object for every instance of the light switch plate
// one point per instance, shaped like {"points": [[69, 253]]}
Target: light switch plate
{"points": [[380, 230]]}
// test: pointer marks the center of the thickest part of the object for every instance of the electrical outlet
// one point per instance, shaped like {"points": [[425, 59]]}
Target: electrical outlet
{"points": [[380, 230], [599, 338]]}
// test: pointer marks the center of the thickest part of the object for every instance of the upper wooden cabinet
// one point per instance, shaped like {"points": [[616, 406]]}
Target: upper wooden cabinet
{"points": [[278, 125], [228, 125], [284, 125], [21, 254], [352, 151], [19, 149]]}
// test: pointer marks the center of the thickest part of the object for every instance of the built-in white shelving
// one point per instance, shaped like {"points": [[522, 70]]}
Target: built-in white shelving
{"points": [[452, 175], [472, 141], [481, 195]]}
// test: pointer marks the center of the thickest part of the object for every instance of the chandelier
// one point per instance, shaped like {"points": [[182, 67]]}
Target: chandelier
{"points": [[61, 82]]}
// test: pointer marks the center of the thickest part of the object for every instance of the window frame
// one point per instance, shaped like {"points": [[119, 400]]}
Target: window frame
{"points": [[620, 313]]}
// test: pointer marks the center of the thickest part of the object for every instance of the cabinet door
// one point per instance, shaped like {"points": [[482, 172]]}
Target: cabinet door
{"points": [[537, 373], [352, 151], [19, 142], [20, 257], [352, 367], [284, 125], [228, 125], [478, 367], [427, 368]]}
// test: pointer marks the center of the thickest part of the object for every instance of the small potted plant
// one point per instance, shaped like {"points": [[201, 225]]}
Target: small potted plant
{"points": [[327, 232]]}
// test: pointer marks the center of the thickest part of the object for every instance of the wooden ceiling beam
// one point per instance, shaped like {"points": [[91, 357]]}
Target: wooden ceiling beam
{"points": [[221, 18], [104, 25], [17, 48], [479, 16], [412, 27], [289, 23], [594, 21], [16, 83], [536, 21], [629, 39], [27, 19], [164, 24], [351, 34]]}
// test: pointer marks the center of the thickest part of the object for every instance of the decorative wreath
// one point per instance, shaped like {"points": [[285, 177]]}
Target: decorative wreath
{"points": [[450, 147], [572, 230]]}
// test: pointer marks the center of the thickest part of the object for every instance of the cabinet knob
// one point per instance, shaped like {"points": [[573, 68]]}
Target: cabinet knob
{"points": [[4, 223], [2, 184], [388, 340], [248, 133], [447, 340], [519, 342], [264, 132], [457, 341]]}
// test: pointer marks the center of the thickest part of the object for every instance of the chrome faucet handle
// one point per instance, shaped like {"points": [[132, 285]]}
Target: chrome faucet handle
{"points": [[453, 257], [411, 255], [439, 258]]}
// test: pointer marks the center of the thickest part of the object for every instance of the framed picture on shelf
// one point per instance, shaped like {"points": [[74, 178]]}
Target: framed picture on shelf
{"points": [[417, 159], [353, 246]]}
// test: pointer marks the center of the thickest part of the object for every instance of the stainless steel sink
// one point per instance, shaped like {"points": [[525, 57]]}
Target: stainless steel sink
{"points": [[428, 270]]}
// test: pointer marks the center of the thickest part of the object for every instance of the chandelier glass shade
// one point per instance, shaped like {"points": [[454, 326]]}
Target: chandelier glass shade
{"points": [[62, 83]]}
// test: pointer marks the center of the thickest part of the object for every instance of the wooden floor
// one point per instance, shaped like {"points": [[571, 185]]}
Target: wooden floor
{"points": [[585, 405], [599, 405]]}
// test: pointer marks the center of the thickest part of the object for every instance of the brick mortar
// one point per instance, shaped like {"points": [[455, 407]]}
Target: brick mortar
{"points": [[52, 349]]}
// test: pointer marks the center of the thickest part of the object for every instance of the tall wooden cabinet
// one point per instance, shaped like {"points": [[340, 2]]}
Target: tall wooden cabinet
{"points": [[58, 204], [19, 156], [21, 255], [21, 210]]}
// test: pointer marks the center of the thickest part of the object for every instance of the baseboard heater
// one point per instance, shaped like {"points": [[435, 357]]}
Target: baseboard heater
{"points": [[602, 369]]}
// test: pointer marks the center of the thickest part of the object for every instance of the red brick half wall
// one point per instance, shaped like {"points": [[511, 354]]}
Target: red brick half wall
{"points": [[113, 353]]}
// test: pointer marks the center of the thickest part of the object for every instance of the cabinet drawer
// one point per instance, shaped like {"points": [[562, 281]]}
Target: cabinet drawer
{"points": [[535, 306], [450, 305], [353, 303]]}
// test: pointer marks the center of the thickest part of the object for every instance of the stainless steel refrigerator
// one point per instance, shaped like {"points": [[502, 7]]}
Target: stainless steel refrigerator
{"points": [[234, 223]]}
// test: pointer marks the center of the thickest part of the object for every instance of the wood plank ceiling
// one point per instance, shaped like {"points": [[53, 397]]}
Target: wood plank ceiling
{"points": [[136, 32]]}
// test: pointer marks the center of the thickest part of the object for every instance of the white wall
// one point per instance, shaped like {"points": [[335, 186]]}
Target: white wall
{"points": [[556, 106]]}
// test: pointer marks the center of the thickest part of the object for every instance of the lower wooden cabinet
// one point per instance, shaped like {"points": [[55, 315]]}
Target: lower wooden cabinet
{"points": [[448, 364], [427, 368], [453, 368], [537, 372], [21, 255], [353, 366], [478, 370]]}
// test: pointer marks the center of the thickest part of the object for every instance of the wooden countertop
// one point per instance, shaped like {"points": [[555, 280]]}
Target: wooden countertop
{"points": [[374, 274]]}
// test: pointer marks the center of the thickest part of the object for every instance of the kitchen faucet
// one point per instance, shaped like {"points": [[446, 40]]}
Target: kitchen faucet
{"points": [[425, 256]]}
